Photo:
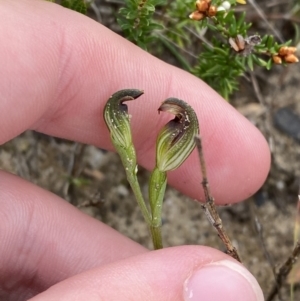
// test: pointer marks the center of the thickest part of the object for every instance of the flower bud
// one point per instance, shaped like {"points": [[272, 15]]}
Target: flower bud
{"points": [[202, 5], [197, 16], [285, 50], [277, 59], [292, 50], [176, 140], [117, 119], [212, 11], [226, 5], [290, 58]]}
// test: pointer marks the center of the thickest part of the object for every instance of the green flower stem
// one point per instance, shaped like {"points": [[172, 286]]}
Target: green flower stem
{"points": [[117, 120], [157, 188], [131, 175], [174, 144], [156, 237]]}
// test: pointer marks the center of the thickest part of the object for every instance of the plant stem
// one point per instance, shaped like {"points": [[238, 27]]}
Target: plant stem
{"points": [[156, 236], [221, 27], [157, 187], [284, 271], [153, 222], [152, 219], [134, 184], [210, 208]]}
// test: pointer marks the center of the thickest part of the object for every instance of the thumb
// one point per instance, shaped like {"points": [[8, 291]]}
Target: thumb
{"points": [[188, 273]]}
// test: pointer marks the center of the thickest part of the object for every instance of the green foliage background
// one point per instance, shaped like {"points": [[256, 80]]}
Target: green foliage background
{"points": [[157, 24]]}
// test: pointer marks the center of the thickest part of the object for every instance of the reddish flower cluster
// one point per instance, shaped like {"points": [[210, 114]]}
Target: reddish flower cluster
{"points": [[204, 9], [286, 54]]}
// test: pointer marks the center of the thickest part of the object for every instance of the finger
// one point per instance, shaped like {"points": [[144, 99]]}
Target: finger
{"points": [[58, 69], [45, 240], [177, 274]]}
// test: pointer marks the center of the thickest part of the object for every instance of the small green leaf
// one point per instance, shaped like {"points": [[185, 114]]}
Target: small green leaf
{"points": [[269, 64], [221, 51], [150, 7], [241, 20], [212, 27], [270, 41], [228, 17], [264, 40], [250, 62], [258, 61], [232, 28], [288, 43]]}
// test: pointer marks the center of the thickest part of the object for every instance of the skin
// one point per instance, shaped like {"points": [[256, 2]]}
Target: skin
{"points": [[58, 68]]}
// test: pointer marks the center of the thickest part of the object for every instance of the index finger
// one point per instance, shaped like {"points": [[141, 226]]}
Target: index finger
{"points": [[58, 68]]}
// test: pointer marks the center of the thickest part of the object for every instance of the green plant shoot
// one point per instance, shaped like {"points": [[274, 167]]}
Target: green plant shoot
{"points": [[175, 143]]}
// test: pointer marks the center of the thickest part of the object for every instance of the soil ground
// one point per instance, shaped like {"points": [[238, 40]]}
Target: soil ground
{"points": [[50, 162]]}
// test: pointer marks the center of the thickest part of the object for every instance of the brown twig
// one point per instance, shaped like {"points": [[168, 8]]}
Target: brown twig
{"points": [[284, 271], [210, 209]]}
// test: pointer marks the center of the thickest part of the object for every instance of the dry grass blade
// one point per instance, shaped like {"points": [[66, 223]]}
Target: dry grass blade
{"points": [[259, 230], [261, 13]]}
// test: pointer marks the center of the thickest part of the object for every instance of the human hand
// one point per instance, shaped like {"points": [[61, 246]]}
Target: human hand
{"points": [[58, 68]]}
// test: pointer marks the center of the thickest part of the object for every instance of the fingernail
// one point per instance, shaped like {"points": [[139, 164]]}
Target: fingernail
{"points": [[222, 280]]}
